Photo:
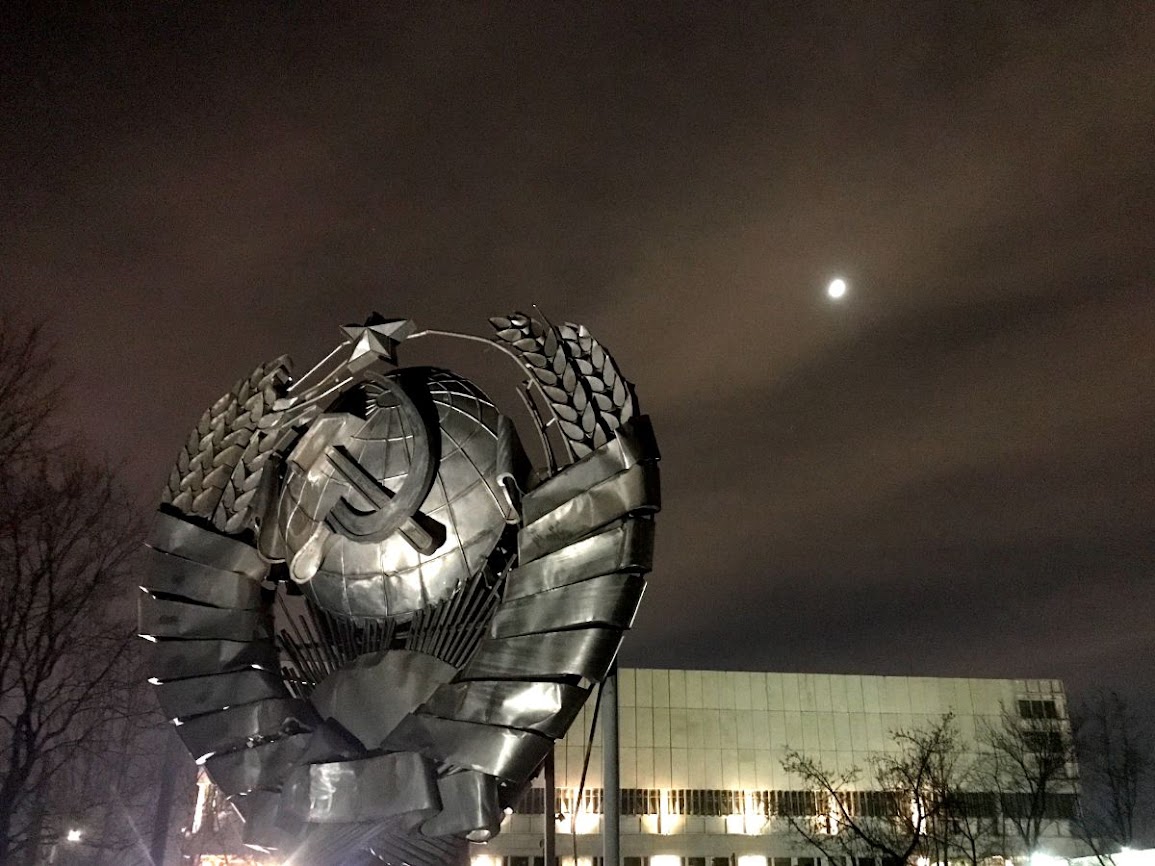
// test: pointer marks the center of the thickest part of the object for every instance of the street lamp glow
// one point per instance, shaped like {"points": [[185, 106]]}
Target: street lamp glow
{"points": [[836, 289], [74, 835]]}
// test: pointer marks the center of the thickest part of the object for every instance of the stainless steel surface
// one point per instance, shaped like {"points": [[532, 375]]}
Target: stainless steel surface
{"points": [[179, 698], [369, 697], [465, 506], [263, 820], [584, 652], [182, 538], [240, 726], [503, 752], [263, 766], [627, 547], [633, 491], [192, 581], [631, 444], [450, 588], [587, 394], [351, 791], [545, 707], [611, 599], [160, 618], [469, 807], [174, 659]]}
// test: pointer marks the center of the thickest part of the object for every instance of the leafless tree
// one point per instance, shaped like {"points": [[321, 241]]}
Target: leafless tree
{"points": [[28, 393], [1031, 767], [897, 810], [1115, 761], [67, 535]]}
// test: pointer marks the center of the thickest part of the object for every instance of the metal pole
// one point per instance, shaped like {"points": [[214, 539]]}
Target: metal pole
{"points": [[611, 776], [165, 797], [550, 810]]}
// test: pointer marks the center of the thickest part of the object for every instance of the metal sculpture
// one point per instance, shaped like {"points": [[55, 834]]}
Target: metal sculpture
{"points": [[372, 616]]}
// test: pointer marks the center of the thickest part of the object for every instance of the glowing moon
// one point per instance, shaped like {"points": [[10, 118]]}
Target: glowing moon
{"points": [[836, 289]]}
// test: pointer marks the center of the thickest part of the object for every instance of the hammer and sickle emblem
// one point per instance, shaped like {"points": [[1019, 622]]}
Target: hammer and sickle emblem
{"points": [[392, 511]]}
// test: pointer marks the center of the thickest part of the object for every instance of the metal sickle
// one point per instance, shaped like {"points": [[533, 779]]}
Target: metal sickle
{"points": [[392, 511]]}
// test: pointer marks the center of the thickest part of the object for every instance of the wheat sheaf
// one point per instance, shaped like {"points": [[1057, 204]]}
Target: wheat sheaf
{"points": [[218, 472], [587, 393]]}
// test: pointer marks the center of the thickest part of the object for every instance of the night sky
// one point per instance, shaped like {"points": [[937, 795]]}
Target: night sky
{"points": [[951, 472]]}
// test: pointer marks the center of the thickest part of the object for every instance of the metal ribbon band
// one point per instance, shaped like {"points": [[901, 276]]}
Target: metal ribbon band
{"points": [[180, 698], [350, 791], [181, 538], [161, 617], [633, 490], [239, 726], [503, 752], [174, 659], [628, 547], [370, 697], [608, 600], [545, 707], [263, 766], [585, 652], [171, 575]]}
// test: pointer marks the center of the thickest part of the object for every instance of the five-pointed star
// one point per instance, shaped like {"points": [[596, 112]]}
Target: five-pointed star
{"points": [[377, 338]]}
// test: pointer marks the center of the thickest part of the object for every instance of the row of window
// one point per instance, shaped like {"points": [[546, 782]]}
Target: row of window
{"points": [[712, 802], [1038, 710]]}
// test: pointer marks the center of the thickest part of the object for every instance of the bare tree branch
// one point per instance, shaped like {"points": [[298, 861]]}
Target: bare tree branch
{"points": [[70, 702]]}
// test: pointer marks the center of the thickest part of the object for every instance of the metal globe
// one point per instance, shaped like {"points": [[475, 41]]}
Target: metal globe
{"points": [[461, 518]]}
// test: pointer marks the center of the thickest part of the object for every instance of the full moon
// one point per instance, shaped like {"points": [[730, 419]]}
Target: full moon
{"points": [[836, 289]]}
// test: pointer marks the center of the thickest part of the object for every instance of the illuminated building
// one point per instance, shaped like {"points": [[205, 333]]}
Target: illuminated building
{"points": [[701, 761]]}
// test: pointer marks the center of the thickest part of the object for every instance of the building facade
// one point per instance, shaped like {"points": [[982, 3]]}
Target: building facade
{"points": [[702, 755]]}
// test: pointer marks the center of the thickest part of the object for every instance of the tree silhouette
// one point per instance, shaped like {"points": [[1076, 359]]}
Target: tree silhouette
{"points": [[67, 536]]}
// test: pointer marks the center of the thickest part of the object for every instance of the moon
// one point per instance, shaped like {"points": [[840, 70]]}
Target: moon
{"points": [[836, 289]]}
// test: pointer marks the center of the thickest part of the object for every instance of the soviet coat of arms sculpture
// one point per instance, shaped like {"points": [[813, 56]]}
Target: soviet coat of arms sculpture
{"points": [[371, 615]]}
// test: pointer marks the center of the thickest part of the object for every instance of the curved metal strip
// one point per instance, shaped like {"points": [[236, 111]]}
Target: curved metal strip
{"points": [[417, 850], [237, 726], [608, 600], [628, 547], [174, 575], [332, 743], [352, 791], [545, 707], [180, 698], [165, 618], [266, 827], [264, 766], [468, 807], [175, 659], [502, 752], [181, 538], [585, 652], [370, 696], [636, 489], [633, 443], [390, 511]]}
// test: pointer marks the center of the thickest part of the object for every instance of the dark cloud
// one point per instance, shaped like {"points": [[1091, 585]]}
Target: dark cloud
{"points": [[950, 473]]}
